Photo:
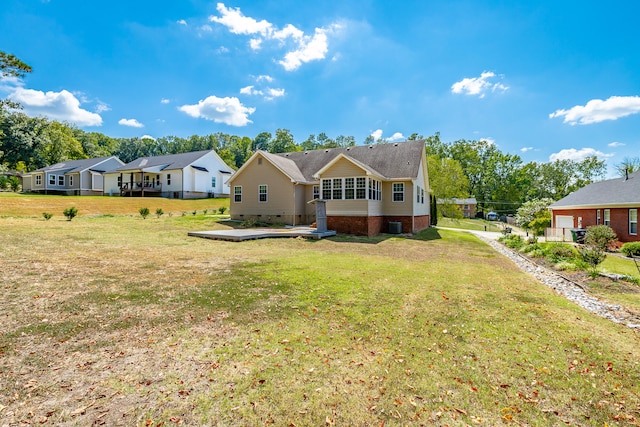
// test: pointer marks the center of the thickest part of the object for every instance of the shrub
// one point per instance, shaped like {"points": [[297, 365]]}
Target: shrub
{"points": [[631, 249], [144, 212], [159, 212], [560, 252], [512, 241], [221, 210], [593, 256], [46, 215], [14, 183], [205, 211], [600, 237], [70, 213], [567, 266], [4, 182]]}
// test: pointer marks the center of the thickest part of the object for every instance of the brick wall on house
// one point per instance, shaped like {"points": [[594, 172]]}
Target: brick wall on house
{"points": [[619, 220], [370, 226]]}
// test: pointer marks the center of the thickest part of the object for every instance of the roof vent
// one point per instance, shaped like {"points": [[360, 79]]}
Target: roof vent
{"points": [[626, 174], [395, 145]]}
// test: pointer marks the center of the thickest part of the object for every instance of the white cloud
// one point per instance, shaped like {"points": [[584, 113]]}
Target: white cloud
{"points": [[147, 137], [268, 92], [310, 49], [577, 155], [131, 123], [304, 49], [228, 110], [478, 85], [181, 22], [238, 23], [101, 107], [164, 101], [489, 141], [274, 93], [255, 44], [615, 144], [206, 28], [398, 136], [376, 134], [249, 90], [62, 106], [597, 110], [525, 149]]}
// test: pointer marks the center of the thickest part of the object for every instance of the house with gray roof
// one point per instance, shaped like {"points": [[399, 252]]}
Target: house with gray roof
{"points": [[365, 188], [197, 174], [74, 177], [613, 202]]}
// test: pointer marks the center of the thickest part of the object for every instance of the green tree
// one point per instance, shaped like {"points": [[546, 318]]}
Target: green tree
{"points": [[283, 142], [60, 144], [628, 165], [447, 181], [262, 141], [12, 66], [534, 215]]}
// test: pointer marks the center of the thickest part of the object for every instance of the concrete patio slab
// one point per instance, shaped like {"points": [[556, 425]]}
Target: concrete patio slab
{"points": [[239, 235]]}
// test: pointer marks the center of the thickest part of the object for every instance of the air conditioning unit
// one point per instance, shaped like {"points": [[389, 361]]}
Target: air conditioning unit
{"points": [[395, 227]]}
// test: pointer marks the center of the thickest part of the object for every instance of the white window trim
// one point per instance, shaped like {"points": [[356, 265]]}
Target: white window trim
{"points": [[235, 193], [633, 222], [598, 218], [38, 179], [60, 178], [168, 179], [70, 180], [394, 192], [316, 192], [266, 193], [53, 178], [607, 217]]}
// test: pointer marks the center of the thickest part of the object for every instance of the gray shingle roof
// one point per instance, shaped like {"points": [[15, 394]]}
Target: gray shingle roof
{"points": [[611, 192], [169, 161], [392, 161], [73, 166]]}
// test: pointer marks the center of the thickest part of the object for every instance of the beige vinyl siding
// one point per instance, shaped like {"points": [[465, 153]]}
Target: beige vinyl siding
{"points": [[343, 168], [34, 185], [397, 208], [280, 191], [348, 207]]}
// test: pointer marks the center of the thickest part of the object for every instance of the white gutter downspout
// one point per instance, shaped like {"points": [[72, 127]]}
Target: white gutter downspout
{"points": [[294, 204]]}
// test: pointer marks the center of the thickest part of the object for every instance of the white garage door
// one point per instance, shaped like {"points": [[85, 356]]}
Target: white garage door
{"points": [[566, 222]]}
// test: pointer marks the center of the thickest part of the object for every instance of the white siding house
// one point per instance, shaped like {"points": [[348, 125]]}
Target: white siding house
{"points": [[198, 174]]}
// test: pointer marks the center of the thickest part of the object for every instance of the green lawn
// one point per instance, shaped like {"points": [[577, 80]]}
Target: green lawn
{"points": [[471, 224], [117, 320]]}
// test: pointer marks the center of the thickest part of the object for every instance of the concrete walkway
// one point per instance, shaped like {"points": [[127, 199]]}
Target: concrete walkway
{"points": [[239, 235]]}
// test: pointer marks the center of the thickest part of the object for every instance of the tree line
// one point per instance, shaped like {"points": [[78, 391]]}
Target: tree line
{"points": [[500, 182]]}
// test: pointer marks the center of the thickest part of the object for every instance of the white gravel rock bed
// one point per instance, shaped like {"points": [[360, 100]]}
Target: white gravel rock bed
{"points": [[564, 287]]}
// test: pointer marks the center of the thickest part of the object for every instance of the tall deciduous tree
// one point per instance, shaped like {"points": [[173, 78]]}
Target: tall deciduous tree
{"points": [[283, 142], [447, 181], [628, 165]]}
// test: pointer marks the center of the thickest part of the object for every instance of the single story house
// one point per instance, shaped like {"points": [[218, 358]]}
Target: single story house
{"points": [[467, 205], [365, 188], [74, 177], [198, 174], [613, 202]]}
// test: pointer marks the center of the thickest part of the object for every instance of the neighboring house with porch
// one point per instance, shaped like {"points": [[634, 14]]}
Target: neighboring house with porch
{"points": [[74, 177], [198, 174], [365, 188], [614, 202]]}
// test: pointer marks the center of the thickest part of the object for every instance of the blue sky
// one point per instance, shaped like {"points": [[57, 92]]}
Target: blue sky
{"points": [[541, 79]]}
